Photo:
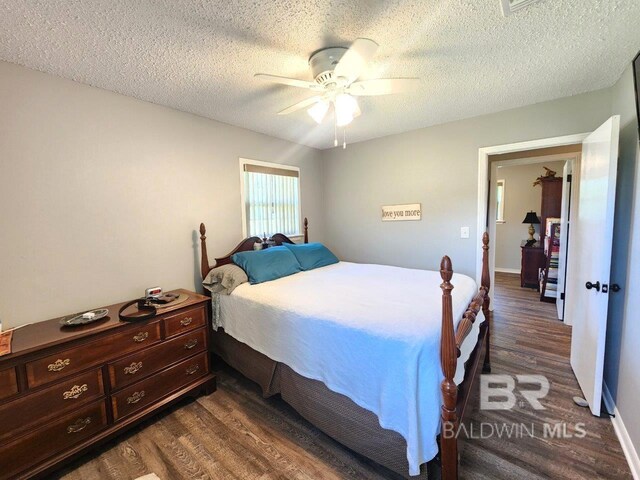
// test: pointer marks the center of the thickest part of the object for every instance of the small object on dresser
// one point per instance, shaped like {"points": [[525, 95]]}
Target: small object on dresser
{"points": [[153, 292], [5, 342], [84, 318]]}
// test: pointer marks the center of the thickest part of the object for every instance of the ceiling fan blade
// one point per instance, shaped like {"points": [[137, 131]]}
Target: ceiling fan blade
{"points": [[383, 86], [292, 82], [300, 105], [353, 62]]}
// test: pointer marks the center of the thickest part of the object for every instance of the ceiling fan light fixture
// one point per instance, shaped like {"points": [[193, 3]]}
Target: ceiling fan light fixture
{"points": [[318, 110], [346, 109]]}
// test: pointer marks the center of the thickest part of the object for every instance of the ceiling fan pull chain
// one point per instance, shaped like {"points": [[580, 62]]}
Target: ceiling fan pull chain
{"points": [[335, 128], [344, 138]]}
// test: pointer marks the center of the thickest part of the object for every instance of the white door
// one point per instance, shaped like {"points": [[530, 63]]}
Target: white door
{"points": [[564, 236], [590, 260]]}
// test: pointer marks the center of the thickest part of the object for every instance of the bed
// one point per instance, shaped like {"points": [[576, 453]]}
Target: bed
{"points": [[378, 368]]}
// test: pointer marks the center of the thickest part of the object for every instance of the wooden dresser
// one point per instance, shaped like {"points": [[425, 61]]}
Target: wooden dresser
{"points": [[64, 390], [531, 262]]}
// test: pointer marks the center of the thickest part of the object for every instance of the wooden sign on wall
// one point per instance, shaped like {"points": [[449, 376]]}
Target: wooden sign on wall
{"points": [[399, 213]]}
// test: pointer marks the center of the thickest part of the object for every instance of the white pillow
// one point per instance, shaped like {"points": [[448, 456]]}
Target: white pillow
{"points": [[224, 279]]}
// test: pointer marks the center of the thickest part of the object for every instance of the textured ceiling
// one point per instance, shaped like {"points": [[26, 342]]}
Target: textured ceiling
{"points": [[200, 56]]}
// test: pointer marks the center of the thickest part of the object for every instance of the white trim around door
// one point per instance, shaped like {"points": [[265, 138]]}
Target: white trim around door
{"points": [[483, 187]]}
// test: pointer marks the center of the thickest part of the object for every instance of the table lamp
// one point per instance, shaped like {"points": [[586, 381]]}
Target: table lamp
{"points": [[531, 218]]}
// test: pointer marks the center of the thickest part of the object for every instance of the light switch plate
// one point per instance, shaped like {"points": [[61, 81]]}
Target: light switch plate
{"points": [[464, 232]]}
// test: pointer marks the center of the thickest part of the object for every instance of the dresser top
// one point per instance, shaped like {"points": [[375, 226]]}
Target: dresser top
{"points": [[49, 333]]}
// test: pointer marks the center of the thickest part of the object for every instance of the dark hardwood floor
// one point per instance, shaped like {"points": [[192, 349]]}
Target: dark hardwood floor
{"points": [[527, 339], [236, 434]]}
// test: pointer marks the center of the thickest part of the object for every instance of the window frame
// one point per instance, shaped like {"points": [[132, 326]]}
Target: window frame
{"points": [[280, 166], [500, 206]]}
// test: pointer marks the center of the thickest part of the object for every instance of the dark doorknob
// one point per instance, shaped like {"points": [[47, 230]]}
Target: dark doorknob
{"points": [[590, 285]]}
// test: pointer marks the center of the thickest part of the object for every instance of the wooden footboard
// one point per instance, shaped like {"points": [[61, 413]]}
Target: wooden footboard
{"points": [[452, 408]]}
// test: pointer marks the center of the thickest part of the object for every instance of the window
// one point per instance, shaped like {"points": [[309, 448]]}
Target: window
{"points": [[500, 184], [270, 198]]}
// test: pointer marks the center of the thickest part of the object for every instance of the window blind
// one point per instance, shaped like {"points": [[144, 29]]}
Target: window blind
{"points": [[272, 200]]}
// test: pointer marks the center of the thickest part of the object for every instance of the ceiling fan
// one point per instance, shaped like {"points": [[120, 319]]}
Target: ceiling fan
{"points": [[336, 71]]}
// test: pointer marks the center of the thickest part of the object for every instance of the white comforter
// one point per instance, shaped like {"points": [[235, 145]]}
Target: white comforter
{"points": [[369, 332]]}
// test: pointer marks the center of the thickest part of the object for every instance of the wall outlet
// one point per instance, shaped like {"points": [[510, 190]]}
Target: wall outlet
{"points": [[464, 232]]}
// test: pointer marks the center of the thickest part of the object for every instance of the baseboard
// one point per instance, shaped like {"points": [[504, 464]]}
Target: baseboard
{"points": [[618, 425], [507, 270]]}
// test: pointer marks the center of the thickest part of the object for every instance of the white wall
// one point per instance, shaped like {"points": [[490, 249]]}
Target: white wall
{"points": [[438, 167], [101, 194], [520, 197], [622, 364]]}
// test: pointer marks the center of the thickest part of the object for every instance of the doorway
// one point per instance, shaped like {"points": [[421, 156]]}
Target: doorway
{"points": [[528, 211], [483, 188]]}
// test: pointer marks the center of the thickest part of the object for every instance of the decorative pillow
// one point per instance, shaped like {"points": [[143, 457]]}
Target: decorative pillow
{"points": [[225, 279], [264, 265], [312, 255]]}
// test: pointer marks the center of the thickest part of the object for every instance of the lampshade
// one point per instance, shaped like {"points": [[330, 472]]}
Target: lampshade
{"points": [[346, 108], [318, 110], [531, 217]]}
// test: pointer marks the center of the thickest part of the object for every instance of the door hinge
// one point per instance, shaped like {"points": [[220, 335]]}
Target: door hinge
{"points": [[569, 177], [562, 296]]}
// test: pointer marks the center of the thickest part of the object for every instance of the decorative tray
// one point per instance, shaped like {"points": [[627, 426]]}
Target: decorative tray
{"points": [[82, 318]]}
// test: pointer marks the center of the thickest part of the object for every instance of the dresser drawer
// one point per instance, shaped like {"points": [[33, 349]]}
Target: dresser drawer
{"points": [[53, 438], [55, 400], [146, 392], [8, 383], [142, 364], [184, 321], [69, 361]]}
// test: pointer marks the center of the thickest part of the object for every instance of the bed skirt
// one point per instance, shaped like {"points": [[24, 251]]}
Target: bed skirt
{"points": [[333, 413]]}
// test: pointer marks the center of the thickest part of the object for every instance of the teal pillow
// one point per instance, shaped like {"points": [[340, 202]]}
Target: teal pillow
{"points": [[312, 255], [269, 264]]}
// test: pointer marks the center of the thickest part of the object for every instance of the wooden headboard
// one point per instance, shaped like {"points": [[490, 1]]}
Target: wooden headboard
{"points": [[243, 246]]}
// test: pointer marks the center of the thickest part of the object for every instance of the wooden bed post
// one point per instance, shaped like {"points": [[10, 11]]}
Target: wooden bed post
{"points": [[204, 260], [448, 360], [486, 285], [306, 230]]}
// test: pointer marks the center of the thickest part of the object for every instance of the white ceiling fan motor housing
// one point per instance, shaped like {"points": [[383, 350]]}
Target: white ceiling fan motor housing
{"points": [[323, 62]]}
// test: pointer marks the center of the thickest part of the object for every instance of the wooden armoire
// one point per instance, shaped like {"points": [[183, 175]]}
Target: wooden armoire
{"points": [[551, 201]]}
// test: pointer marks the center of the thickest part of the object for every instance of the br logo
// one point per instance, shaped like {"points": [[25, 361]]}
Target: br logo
{"points": [[497, 391]]}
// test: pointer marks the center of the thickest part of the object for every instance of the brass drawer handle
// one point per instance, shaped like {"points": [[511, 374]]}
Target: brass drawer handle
{"points": [[141, 337], [133, 368], [192, 369], [186, 321], [75, 392], [59, 365], [79, 425], [136, 397], [191, 344]]}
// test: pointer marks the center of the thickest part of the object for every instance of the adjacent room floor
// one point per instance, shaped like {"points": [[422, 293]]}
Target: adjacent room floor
{"points": [[236, 434]]}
